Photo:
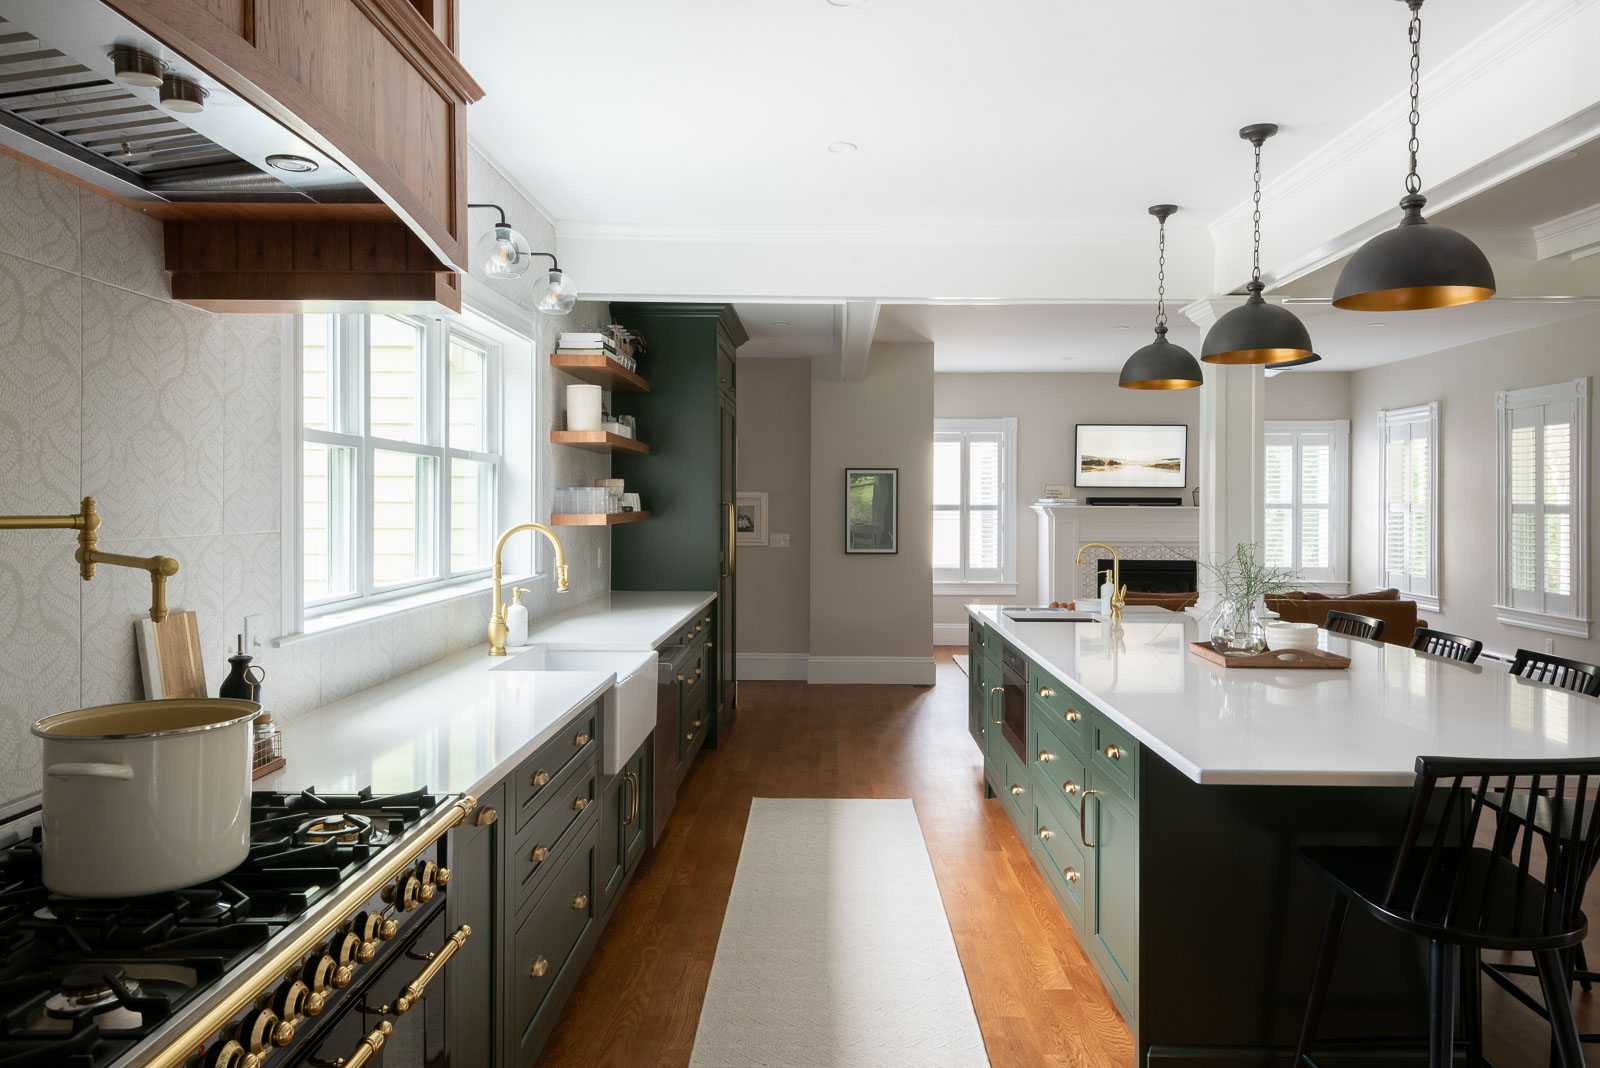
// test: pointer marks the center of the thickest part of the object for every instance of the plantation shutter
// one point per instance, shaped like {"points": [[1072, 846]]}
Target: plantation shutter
{"points": [[971, 498], [1539, 466], [1408, 440], [1304, 497]]}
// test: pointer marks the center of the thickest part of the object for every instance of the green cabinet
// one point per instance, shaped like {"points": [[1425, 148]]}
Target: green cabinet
{"points": [[1112, 916], [475, 862], [689, 479], [624, 823]]}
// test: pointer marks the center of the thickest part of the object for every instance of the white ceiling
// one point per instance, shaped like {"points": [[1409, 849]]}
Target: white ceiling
{"points": [[1009, 112], [787, 330]]}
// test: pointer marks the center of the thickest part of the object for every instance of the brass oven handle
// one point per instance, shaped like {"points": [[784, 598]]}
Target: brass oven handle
{"points": [[1083, 807], [364, 1049], [733, 538], [408, 997], [992, 691]]}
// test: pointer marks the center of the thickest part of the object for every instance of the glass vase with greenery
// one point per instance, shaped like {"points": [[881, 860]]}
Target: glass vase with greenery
{"points": [[1243, 583]]}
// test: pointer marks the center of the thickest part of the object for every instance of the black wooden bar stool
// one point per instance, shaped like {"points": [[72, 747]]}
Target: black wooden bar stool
{"points": [[1461, 897], [1557, 671], [1443, 643], [1353, 625]]}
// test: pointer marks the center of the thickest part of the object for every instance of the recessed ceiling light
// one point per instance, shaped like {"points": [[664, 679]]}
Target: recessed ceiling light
{"points": [[1374, 326], [1119, 328], [292, 164], [841, 147], [780, 322]]}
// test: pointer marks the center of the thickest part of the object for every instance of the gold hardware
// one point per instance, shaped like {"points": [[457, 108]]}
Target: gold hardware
{"points": [[708, 643], [314, 1003], [485, 817], [689, 737], [697, 671], [229, 1055], [1083, 809], [636, 798], [540, 778], [540, 966], [1072, 715], [1045, 758], [539, 854], [1114, 752], [697, 723], [1045, 834], [364, 1049], [580, 804], [86, 521], [633, 793], [389, 929], [1045, 691], [283, 1034], [708, 619], [497, 618], [732, 537], [680, 678], [408, 997], [1069, 787], [442, 876], [343, 974], [261, 1025], [1016, 791], [1071, 874], [289, 1002], [580, 902], [581, 739], [992, 691], [1119, 594]]}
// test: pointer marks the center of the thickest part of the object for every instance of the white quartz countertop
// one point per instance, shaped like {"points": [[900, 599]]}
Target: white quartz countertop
{"points": [[1363, 726], [459, 725]]}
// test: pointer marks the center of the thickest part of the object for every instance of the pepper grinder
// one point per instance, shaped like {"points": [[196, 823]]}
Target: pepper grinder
{"points": [[239, 684]]}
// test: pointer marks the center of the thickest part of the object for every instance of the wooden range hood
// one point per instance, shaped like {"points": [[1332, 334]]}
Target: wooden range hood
{"points": [[370, 92]]}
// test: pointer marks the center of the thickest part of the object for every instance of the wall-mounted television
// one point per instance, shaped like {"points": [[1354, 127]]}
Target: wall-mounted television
{"points": [[1132, 456]]}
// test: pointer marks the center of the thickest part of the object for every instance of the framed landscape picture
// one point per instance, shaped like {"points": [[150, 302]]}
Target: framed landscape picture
{"points": [[872, 510], [1132, 456], [750, 518]]}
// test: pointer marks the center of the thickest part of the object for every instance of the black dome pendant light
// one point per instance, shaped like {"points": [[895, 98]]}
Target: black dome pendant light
{"points": [[1416, 265], [1257, 332], [1161, 364]]}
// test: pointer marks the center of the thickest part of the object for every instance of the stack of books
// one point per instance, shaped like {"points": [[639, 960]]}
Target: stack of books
{"points": [[582, 344]]}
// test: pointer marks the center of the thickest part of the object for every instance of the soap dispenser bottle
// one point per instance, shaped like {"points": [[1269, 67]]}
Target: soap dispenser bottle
{"points": [[517, 618], [1108, 593]]}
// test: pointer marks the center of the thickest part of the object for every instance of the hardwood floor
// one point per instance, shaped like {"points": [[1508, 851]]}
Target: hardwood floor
{"points": [[1038, 999]]}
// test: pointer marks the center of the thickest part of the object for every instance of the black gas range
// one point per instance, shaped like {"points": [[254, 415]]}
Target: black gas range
{"points": [[282, 961]]}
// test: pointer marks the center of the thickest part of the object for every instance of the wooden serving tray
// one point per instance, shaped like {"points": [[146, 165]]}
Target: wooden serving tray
{"points": [[1272, 658]]}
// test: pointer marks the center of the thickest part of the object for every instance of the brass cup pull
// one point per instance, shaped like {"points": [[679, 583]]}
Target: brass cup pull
{"points": [[540, 966], [540, 778], [485, 817], [1045, 834], [1072, 715], [579, 902], [1045, 756], [364, 1049], [436, 960], [1016, 791], [1114, 752], [579, 804], [1083, 810], [581, 739], [1069, 787], [1071, 874], [1045, 691], [539, 854]]}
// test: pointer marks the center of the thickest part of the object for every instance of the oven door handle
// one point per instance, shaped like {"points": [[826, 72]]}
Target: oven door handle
{"points": [[437, 960], [364, 1051], [992, 691]]}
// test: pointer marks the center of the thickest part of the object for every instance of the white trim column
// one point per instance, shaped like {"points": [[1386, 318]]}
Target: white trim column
{"points": [[1232, 450]]}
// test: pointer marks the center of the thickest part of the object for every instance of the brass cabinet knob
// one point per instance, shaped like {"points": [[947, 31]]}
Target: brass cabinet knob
{"points": [[1045, 834], [579, 804], [1072, 715], [689, 737], [697, 671], [540, 778], [581, 901], [1114, 752], [708, 644], [680, 678], [539, 854], [1016, 790], [708, 619], [1045, 757], [1071, 874], [1045, 691], [581, 739], [1069, 787], [485, 817], [540, 966]]}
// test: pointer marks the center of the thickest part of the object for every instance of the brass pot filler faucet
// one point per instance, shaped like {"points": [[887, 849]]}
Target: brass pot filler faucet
{"points": [[87, 523]]}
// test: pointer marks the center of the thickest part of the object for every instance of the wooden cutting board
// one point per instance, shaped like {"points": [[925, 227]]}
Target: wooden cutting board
{"points": [[170, 657], [1272, 658]]}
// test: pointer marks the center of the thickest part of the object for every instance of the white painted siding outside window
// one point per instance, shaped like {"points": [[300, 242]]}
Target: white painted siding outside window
{"points": [[974, 506], [1543, 449], [1408, 443], [1307, 519], [400, 457]]}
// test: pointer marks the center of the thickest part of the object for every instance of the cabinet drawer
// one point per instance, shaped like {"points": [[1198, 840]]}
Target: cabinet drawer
{"points": [[551, 941], [1016, 789], [1066, 711], [578, 740], [1055, 841], [1115, 757], [559, 820], [693, 721], [1056, 763]]}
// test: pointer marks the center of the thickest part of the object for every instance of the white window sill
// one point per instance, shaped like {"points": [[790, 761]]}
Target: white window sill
{"points": [[1432, 604], [329, 621], [971, 589], [1518, 617]]}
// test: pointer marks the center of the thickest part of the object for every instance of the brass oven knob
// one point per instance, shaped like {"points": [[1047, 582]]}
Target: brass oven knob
{"points": [[257, 1029], [227, 1054], [680, 678], [540, 966], [289, 1002], [344, 947], [403, 892], [708, 644], [539, 854], [318, 977], [442, 876], [368, 927], [708, 619], [389, 929], [427, 872]]}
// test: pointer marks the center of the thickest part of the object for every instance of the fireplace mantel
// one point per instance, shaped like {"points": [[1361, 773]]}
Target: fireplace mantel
{"points": [[1136, 532]]}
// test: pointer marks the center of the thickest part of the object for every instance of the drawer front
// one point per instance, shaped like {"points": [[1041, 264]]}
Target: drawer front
{"points": [[578, 740], [1114, 758], [694, 720], [1056, 763], [1065, 709], [559, 821], [551, 945], [1017, 789], [1055, 841]]}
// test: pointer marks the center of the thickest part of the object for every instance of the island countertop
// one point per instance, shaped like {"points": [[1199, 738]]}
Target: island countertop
{"points": [[1361, 726]]}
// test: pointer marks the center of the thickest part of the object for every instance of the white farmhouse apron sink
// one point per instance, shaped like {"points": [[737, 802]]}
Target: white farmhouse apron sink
{"points": [[629, 709]]}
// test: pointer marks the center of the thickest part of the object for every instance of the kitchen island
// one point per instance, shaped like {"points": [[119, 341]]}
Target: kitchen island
{"points": [[1164, 797]]}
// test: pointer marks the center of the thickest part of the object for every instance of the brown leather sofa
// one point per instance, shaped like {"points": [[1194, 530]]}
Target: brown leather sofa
{"points": [[1399, 616]]}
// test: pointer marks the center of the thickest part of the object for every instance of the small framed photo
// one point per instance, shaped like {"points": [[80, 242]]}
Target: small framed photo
{"points": [[750, 519], [872, 510]]}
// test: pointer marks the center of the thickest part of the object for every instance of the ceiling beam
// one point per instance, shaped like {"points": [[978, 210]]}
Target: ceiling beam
{"points": [[859, 323]]}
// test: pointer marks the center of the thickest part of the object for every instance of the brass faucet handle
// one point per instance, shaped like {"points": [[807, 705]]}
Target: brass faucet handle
{"points": [[561, 578]]}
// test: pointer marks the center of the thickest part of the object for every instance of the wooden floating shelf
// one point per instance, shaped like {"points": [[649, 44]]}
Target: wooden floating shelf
{"points": [[598, 519], [598, 369], [597, 441]]}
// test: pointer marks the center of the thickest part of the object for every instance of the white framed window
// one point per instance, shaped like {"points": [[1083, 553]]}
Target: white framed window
{"points": [[974, 506], [400, 457], [1543, 448], [1307, 522], [1408, 458]]}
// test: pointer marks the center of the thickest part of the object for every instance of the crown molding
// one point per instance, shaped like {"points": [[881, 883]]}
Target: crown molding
{"points": [[888, 233], [1570, 235]]}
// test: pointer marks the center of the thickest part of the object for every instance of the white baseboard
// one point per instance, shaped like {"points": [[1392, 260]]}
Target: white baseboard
{"points": [[871, 670], [773, 667], [949, 634]]}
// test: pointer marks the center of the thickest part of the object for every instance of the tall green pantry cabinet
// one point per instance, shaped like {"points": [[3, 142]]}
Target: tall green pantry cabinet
{"points": [[690, 476]]}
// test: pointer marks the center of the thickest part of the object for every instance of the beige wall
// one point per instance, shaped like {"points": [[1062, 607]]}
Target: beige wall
{"points": [[1464, 380], [876, 608], [775, 458], [1309, 395]]}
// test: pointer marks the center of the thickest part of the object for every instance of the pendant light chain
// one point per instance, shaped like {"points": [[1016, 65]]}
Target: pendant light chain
{"points": [[1255, 270], [1161, 281], [1413, 180]]}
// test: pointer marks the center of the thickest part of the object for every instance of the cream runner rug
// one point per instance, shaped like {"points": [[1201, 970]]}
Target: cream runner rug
{"points": [[835, 951]]}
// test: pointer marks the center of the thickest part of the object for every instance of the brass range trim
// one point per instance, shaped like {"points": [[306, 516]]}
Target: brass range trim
{"points": [[86, 521], [184, 1044]]}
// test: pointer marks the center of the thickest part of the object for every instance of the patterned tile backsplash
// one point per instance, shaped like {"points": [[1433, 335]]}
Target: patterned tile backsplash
{"points": [[170, 418]]}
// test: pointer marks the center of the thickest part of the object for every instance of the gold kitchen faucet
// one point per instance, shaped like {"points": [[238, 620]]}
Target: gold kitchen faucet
{"points": [[497, 620]]}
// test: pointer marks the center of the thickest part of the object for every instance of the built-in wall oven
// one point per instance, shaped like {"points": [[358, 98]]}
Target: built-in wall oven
{"points": [[1014, 700]]}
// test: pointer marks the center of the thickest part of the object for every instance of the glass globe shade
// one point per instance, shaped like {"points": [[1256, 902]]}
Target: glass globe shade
{"points": [[505, 254], [558, 294]]}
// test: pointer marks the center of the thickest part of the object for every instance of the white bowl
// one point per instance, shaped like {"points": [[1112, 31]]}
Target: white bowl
{"points": [[1291, 635]]}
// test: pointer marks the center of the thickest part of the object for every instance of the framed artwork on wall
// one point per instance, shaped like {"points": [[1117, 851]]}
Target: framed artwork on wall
{"points": [[750, 518], [872, 510]]}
